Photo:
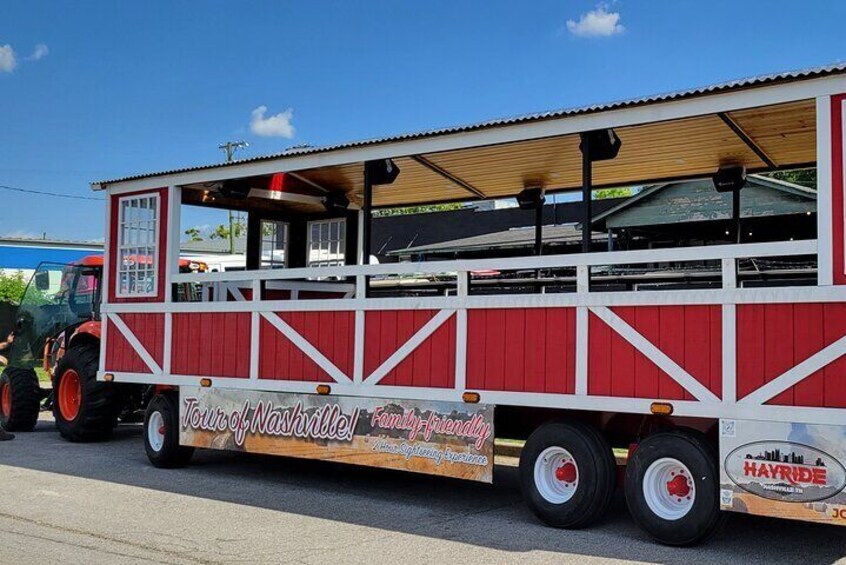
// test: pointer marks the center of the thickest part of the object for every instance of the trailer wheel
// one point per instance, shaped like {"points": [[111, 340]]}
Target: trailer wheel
{"points": [[567, 474], [20, 399], [161, 433], [84, 409], [672, 487]]}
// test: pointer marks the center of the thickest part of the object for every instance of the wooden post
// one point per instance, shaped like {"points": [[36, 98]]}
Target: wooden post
{"points": [[587, 174]]}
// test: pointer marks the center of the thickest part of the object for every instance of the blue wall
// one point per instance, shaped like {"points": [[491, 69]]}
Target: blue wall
{"points": [[28, 257]]}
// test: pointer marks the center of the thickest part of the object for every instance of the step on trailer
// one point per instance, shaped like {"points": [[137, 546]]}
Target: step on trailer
{"points": [[728, 396]]}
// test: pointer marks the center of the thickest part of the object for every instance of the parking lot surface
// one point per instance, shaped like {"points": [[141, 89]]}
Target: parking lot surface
{"points": [[104, 504]]}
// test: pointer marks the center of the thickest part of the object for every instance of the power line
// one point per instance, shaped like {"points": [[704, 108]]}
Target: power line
{"points": [[46, 193]]}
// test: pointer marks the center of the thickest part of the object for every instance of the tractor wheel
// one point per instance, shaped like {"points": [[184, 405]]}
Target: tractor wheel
{"points": [[84, 409], [20, 398], [161, 433]]}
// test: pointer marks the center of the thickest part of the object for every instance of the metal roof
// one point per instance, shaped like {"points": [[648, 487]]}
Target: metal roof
{"points": [[750, 82], [513, 238]]}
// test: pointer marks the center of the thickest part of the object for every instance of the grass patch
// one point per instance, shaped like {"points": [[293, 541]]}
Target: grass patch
{"points": [[43, 377]]}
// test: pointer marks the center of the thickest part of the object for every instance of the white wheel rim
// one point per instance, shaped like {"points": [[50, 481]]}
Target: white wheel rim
{"points": [[669, 489], [556, 475], [155, 431]]}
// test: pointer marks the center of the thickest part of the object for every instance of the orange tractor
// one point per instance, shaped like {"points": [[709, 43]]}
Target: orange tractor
{"points": [[58, 328]]}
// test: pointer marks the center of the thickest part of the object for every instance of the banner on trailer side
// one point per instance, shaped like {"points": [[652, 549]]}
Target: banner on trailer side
{"points": [[440, 438], [783, 469]]}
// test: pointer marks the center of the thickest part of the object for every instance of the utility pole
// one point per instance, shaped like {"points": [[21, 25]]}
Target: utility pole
{"points": [[230, 147]]}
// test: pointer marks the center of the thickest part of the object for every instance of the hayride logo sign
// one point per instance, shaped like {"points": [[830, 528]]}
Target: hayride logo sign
{"points": [[785, 471], [440, 438]]}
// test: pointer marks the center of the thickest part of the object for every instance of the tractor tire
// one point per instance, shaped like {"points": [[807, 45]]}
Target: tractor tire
{"points": [[20, 400], [84, 409], [161, 433]]}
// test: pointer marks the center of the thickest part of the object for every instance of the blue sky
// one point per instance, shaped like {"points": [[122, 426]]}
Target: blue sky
{"points": [[125, 87]]}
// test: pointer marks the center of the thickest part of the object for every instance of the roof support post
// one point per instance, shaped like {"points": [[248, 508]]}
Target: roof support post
{"points": [[539, 228], [735, 213], [597, 145], [367, 213], [587, 191]]}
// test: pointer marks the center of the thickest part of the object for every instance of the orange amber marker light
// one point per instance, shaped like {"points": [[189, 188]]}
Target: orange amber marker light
{"points": [[471, 397], [108, 377], [324, 389], [205, 383], [661, 408]]}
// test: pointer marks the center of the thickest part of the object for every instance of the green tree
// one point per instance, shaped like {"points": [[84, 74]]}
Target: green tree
{"points": [[604, 193], [802, 177], [12, 286], [239, 229], [194, 234], [404, 211]]}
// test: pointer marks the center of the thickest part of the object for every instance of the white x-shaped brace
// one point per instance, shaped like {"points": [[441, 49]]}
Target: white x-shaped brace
{"points": [[135, 343], [386, 367]]}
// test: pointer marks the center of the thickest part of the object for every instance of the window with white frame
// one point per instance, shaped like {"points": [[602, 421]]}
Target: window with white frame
{"points": [[274, 244], [327, 243], [137, 246]]}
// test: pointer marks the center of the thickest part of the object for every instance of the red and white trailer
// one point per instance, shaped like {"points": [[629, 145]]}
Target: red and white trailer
{"points": [[730, 397]]}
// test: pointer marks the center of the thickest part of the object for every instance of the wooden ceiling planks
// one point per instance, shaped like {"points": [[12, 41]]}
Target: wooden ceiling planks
{"points": [[663, 150]]}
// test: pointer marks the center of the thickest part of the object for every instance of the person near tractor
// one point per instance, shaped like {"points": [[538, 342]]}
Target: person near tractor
{"points": [[4, 435], [4, 345]]}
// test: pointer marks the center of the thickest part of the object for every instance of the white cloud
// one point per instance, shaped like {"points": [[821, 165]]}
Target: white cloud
{"points": [[8, 61], [596, 23], [278, 125], [39, 52]]}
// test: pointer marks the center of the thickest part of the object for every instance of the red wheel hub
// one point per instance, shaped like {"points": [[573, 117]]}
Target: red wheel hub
{"points": [[69, 395], [678, 486], [6, 399], [566, 473]]}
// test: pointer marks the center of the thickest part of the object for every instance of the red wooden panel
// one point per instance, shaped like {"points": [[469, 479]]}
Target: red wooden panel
{"points": [[773, 338], [331, 333], [515, 357], [809, 330], [647, 374], [778, 345], [599, 359], [834, 383], [386, 331], [689, 335], [523, 350], [477, 321], [534, 364], [211, 336], [671, 343], [432, 363], [149, 330], [120, 356]]}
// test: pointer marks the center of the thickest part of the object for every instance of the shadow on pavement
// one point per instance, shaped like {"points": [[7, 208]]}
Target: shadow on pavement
{"points": [[485, 515]]}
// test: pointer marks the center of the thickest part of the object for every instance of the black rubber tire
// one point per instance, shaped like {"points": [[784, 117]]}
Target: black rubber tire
{"points": [[171, 455], [699, 456], [26, 399], [596, 467], [99, 403]]}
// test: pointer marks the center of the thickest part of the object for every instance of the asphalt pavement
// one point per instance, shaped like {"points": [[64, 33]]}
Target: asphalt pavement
{"points": [[105, 504]]}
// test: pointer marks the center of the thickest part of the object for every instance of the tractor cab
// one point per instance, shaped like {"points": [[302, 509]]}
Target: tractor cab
{"points": [[59, 297]]}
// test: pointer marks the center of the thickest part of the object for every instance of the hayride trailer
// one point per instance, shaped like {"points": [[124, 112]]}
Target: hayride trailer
{"points": [[719, 366]]}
